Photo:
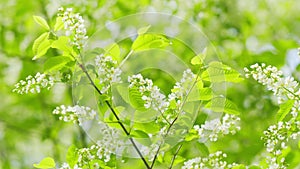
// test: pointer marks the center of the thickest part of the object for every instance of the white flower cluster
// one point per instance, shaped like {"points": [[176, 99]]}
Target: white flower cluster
{"points": [[74, 26], [34, 84], [150, 151], [101, 151], [276, 139], [107, 71], [277, 136], [283, 87], [150, 94], [182, 88], [212, 129], [215, 160], [155, 99], [110, 142], [273, 163], [74, 114], [158, 140], [178, 94], [67, 166]]}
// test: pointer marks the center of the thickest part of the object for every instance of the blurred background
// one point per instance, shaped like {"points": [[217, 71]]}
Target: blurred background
{"points": [[243, 33]]}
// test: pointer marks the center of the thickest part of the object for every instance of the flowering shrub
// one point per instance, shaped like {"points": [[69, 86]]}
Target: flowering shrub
{"points": [[173, 124], [286, 89]]}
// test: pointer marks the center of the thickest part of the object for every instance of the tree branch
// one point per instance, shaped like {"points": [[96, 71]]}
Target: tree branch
{"points": [[116, 116], [174, 157]]}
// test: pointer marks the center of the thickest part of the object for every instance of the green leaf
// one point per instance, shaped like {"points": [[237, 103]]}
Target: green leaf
{"points": [[150, 127], [179, 159], [198, 59], [113, 50], [192, 134], [143, 30], [52, 36], [136, 100], [148, 41], [221, 104], [72, 156], [139, 134], [41, 21], [284, 110], [205, 93], [41, 45], [59, 24], [62, 43], [218, 72], [254, 167], [240, 166], [123, 92], [47, 162], [202, 148], [56, 63]]}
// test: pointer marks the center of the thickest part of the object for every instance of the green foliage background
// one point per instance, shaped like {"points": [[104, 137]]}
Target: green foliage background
{"points": [[243, 32]]}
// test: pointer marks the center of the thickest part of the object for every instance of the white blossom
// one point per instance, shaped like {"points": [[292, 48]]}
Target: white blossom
{"points": [[283, 87], [101, 152], [65, 166], [182, 88], [179, 92], [215, 160], [109, 143], [74, 113], [74, 26], [34, 84], [107, 71], [229, 124], [150, 93], [158, 140], [277, 136]]}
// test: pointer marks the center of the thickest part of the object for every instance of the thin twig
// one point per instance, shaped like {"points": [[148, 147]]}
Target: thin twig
{"points": [[180, 110], [116, 116], [175, 155]]}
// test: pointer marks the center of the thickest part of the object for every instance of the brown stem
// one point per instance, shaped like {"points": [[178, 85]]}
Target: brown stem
{"points": [[180, 110], [174, 157], [116, 116]]}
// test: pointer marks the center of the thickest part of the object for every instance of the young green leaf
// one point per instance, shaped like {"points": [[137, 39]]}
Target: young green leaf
{"points": [[47, 162], [136, 100], [139, 134], [62, 43], [255, 167], [202, 148], [191, 135], [148, 41], [56, 63], [240, 166], [150, 127], [42, 22], [59, 24], [198, 59], [72, 156], [284, 110], [221, 104], [143, 30], [123, 92], [218, 72], [41, 45], [114, 51], [179, 159], [205, 93]]}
